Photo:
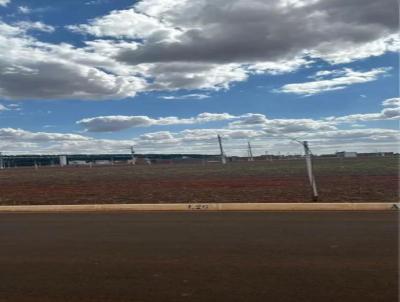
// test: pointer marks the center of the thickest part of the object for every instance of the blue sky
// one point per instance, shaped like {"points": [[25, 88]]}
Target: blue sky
{"points": [[168, 76]]}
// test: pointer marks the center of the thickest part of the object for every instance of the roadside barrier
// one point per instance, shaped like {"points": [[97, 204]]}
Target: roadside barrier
{"points": [[205, 207]]}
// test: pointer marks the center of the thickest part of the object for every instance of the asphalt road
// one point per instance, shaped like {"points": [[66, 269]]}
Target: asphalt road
{"points": [[202, 256]]}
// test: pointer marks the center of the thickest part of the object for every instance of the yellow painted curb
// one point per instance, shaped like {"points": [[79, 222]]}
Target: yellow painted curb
{"points": [[206, 207]]}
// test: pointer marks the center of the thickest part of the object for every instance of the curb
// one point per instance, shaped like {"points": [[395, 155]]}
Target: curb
{"points": [[205, 207]]}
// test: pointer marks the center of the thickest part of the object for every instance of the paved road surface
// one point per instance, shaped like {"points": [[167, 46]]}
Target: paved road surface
{"points": [[203, 256]]}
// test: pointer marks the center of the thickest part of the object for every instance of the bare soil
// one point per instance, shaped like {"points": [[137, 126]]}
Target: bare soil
{"points": [[339, 180], [199, 257]]}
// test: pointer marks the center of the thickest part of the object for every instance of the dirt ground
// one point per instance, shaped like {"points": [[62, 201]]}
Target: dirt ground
{"points": [[199, 257], [339, 180]]}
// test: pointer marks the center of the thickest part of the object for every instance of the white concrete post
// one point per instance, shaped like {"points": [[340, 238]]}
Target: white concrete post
{"points": [[310, 171], [223, 157]]}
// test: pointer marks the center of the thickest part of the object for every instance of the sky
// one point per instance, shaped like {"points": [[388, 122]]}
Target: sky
{"points": [[168, 76]]}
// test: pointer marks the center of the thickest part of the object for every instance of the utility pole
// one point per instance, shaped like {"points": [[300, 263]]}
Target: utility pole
{"points": [[250, 152], [310, 171], [1, 161], [223, 157], [133, 156]]}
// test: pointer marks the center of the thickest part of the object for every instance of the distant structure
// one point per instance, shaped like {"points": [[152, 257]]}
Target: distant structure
{"points": [[1, 161], [133, 162], [345, 154], [78, 163], [103, 162], [223, 157], [377, 154], [268, 156], [63, 160], [249, 152]]}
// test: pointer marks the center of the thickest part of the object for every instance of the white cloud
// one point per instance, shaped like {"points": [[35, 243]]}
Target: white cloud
{"points": [[351, 51], [209, 31], [374, 134], [391, 111], [157, 136], [170, 45], [206, 44], [27, 25], [192, 96], [4, 2], [10, 107], [279, 67], [127, 24], [340, 80], [96, 2], [204, 141], [196, 135], [36, 70], [23, 135], [24, 9], [8, 30], [282, 126], [175, 76], [120, 122], [393, 102]]}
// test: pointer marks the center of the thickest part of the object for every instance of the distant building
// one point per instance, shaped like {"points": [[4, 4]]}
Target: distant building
{"points": [[78, 163], [346, 154], [103, 162], [377, 154]]}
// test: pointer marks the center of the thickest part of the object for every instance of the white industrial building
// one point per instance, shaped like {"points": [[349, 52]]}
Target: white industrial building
{"points": [[78, 163], [346, 154]]}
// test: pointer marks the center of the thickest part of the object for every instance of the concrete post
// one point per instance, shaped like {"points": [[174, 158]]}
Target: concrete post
{"points": [[223, 157], [310, 171]]}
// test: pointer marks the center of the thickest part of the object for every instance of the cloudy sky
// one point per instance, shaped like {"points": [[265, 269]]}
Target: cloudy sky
{"points": [[97, 76]]}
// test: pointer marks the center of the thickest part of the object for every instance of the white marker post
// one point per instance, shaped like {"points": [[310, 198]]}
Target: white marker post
{"points": [[223, 157], [310, 172]]}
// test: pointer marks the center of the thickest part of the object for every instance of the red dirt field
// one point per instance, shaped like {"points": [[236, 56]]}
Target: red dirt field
{"points": [[350, 180]]}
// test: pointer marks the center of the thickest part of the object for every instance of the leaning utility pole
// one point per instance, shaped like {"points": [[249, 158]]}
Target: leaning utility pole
{"points": [[310, 171], [250, 152], [223, 157], [133, 156]]}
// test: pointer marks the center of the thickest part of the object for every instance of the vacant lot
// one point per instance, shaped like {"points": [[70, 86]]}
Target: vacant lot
{"points": [[339, 180]]}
